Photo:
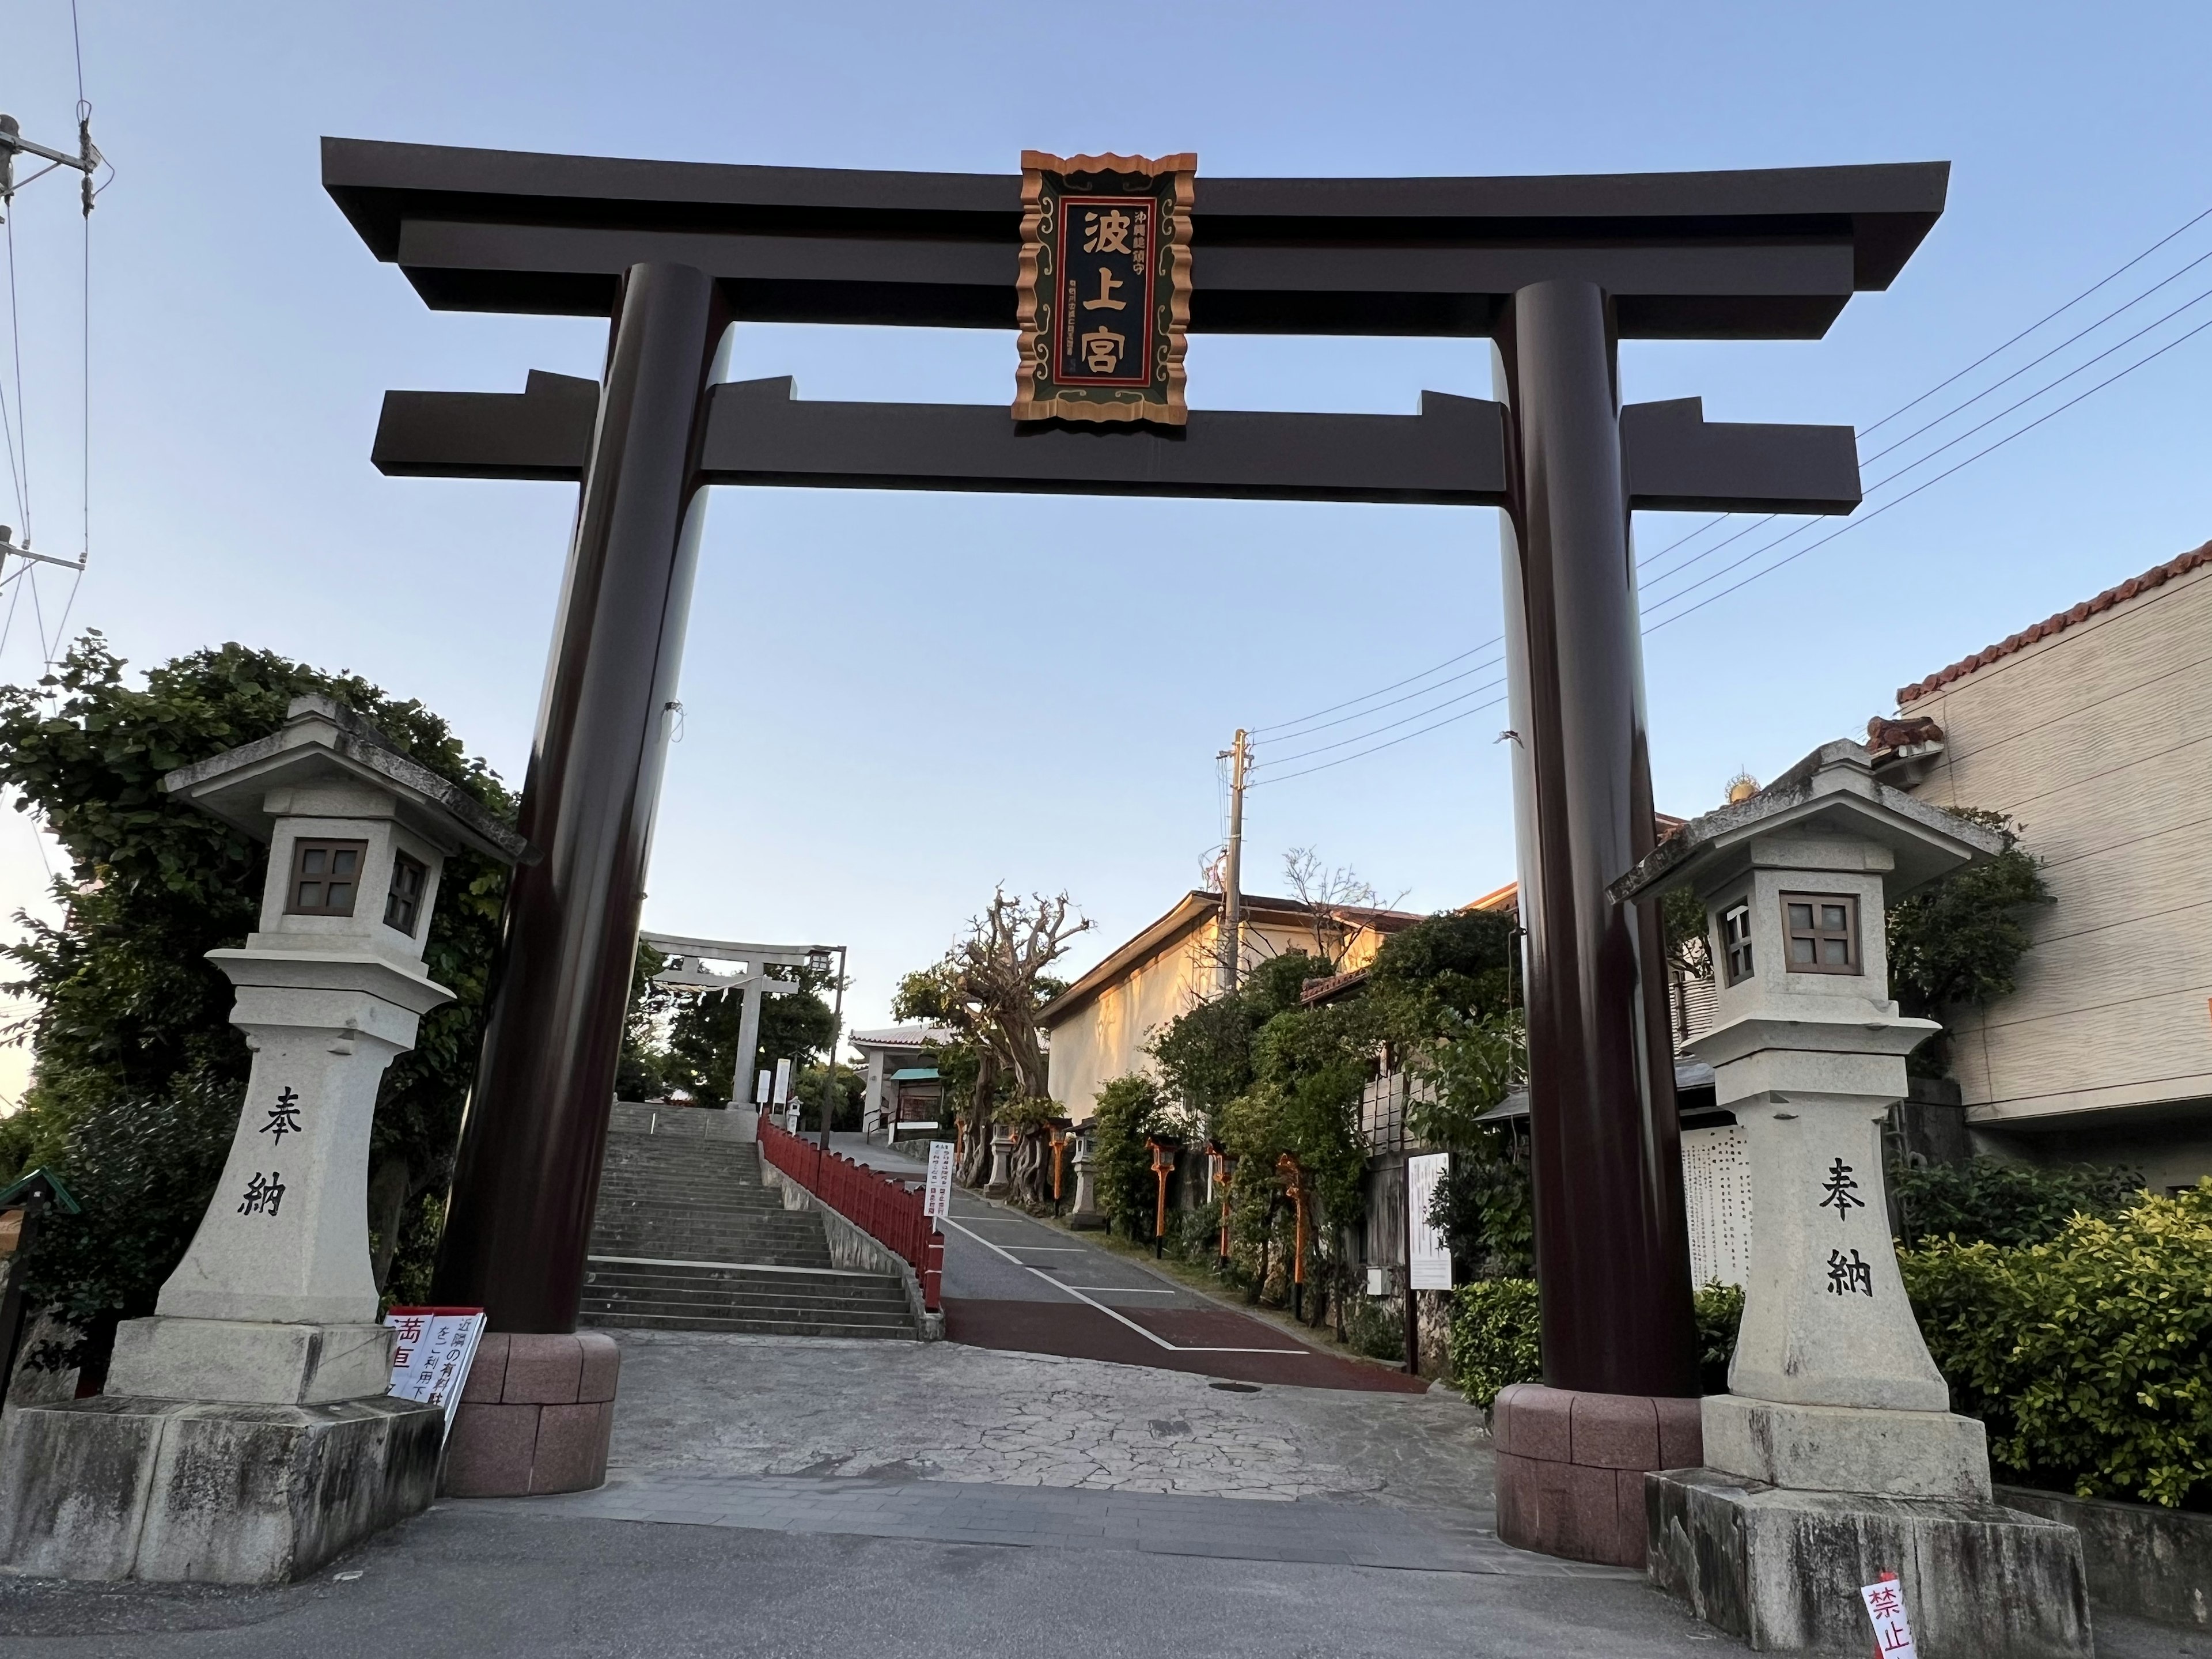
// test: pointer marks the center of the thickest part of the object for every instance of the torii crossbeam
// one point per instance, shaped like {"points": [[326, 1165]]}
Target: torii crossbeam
{"points": [[1555, 270]]}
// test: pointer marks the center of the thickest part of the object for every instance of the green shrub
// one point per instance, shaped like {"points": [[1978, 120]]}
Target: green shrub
{"points": [[2088, 1357], [1120, 1164], [1719, 1309], [1494, 1337], [1375, 1325], [2007, 1204]]}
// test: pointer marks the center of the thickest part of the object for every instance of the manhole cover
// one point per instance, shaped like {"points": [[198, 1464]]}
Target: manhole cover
{"points": [[1235, 1387]]}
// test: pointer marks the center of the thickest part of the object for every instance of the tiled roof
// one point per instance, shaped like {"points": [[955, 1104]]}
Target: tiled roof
{"points": [[2156, 577]]}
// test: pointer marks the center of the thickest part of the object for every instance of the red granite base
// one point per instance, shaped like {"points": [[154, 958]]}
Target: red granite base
{"points": [[1571, 1467], [534, 1417]]}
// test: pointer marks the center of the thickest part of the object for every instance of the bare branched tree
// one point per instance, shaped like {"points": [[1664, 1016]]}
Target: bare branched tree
{"points": [[999, 973], [1322, 892]]}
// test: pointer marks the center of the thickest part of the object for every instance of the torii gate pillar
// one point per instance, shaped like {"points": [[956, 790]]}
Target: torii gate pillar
{"points": [[1612, 1251], [527, 1174]]}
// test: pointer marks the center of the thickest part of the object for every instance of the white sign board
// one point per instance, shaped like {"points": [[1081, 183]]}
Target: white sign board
{"points": [[782, 1091], [1430, 1260], [431, 1356], [760, 1087], [937, 1188], [1892, 1630]]}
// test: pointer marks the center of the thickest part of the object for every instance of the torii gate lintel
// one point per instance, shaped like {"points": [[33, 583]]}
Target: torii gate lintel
{"points": [[1556, 271]]}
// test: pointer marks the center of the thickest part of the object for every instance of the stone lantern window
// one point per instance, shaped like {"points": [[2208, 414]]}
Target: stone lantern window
{"points": [[402, 905], [325, 877], [1823, 933], [1735, 941]]}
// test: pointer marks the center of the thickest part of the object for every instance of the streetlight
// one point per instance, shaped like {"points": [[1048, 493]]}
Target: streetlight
{"points": [[817, 958]]}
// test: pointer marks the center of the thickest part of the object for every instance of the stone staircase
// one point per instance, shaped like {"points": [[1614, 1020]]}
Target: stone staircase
{"points": [[687, 1237]]}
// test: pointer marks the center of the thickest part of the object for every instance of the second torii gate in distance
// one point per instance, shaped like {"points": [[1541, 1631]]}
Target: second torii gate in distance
{"points": [[1554, 270], [751, 982]]}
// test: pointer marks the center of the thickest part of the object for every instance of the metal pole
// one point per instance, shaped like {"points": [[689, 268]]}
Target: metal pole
{"points": [[1612, 1251], [1232, 876], [527, 1173], [1412, 1310]]}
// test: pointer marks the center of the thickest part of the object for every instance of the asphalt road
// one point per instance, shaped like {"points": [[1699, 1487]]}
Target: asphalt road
{"points": [[1014, 1283]]}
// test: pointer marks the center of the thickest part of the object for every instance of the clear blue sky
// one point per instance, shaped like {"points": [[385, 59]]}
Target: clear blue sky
{"points": [[896, 701]]}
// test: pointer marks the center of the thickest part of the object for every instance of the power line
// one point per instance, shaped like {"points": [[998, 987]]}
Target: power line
{"points": [[1980, 426], [1307, 722], [1929, 483], [1361, 736], [1844, 529]]}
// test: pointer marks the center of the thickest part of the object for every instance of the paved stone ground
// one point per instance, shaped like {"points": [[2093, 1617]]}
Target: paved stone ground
{"points": [[777, 1496], [697, 1403]]}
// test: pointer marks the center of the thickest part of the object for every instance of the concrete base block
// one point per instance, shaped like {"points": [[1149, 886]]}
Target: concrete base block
{"points": [[173, 1491], [1087, 1221], [249, 1362], [1781, 1570], [1571, 1467], [1847, 1448], [536, 1417]]}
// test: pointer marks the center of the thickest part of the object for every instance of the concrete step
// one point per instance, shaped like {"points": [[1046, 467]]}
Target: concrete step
{"points": [[693, 1282], [713, 1248], [641, 1320]]}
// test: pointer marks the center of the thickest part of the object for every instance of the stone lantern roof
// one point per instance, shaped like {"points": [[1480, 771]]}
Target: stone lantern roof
{"points": [[1834, 790], [323, 743]]}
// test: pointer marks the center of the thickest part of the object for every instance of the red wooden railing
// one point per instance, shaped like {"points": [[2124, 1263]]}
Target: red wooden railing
{"points": [[881, 1205]]}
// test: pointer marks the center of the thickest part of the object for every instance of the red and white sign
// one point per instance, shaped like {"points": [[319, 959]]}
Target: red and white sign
{"points": [[1892, 1630], [431, 1357], [936, 1185]]}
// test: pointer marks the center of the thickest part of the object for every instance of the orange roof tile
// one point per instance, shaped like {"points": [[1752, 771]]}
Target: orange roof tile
{"points": [[2156, 577]]}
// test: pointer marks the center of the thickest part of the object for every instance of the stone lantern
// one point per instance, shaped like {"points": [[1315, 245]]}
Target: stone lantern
{"points": [[1834, 1457], [245, 1434]]}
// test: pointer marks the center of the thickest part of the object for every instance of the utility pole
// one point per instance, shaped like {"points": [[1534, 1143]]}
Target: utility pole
{"points": [[1232, 875]]}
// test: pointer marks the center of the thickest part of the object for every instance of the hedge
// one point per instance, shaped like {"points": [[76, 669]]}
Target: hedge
{"points": [[2089, 1358]]}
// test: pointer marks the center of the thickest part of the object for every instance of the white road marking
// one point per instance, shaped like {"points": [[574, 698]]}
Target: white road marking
{"points": [[1158, 1340], [1138, 1290]]}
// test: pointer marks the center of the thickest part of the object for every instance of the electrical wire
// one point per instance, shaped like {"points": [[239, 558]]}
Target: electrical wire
{"points": [[1306, 723], [1929, 483], [1980, 426]]}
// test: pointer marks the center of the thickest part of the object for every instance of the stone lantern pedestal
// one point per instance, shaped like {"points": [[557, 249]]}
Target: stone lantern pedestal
{"points": [[246, 1435], [1001, 1182], [1086, 1216], [1834, 1457]]}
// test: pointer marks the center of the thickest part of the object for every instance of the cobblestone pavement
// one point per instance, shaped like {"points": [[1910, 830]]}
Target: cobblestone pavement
{"points": [[1310, 1531], [696, 1403]]}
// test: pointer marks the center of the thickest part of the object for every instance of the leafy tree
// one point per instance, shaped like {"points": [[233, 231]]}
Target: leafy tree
{"points": [[1958, 943], [1205, 1055], [702, 1036], [1445, 985], [847, 1096], [642, 1073], [137, 1074], [1128, 1109]]}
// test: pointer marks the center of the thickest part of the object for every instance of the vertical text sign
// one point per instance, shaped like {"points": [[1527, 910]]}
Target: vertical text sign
{"points": [[1426, 1255], [782, 1091], [430, 1359], [937, 1189], [1892, 1630], [1103, 290]]}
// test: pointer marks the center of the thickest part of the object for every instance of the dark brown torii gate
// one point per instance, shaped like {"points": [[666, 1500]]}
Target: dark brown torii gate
{"points": [[1556, 271]]}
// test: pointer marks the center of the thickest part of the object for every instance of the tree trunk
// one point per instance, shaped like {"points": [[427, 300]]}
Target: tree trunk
{"points": [[976, 1164], [389, 1185]]}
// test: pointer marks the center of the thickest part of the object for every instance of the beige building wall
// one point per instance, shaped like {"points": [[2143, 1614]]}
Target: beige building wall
{"points": [[1105, 1035], [2098, 740]]}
